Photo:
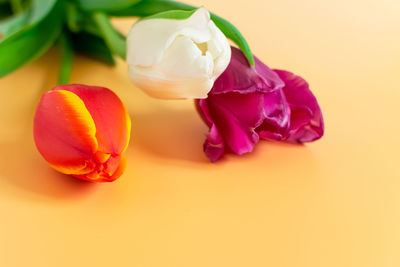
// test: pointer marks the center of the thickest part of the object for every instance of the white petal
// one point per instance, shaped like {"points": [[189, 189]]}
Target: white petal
{"points": [[148, 38], [157, 87], [177, 58]]}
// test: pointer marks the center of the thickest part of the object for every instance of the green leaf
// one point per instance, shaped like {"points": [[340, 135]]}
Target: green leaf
{"points": [[33, 37], [39, 9], [5, 10], [105, 5], [10, 7], [16, 6], [171, 14], [29, 18], [150, 7], [92, 46], [13, 24]]}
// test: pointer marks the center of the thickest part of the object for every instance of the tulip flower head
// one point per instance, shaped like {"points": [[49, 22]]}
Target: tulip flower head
{"points": [[83, 131], [247, 103], [177, 58]]}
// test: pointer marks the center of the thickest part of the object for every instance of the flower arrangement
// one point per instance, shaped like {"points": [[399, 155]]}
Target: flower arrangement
{"points": [[174, 51]]}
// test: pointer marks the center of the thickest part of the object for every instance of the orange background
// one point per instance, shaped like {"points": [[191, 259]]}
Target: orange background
{"points": [[335, 202]]}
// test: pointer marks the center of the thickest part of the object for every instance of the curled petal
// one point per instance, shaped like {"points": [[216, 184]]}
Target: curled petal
{"points": [[241, 78], [109, 115], [214, 146], [236, 116], [241, 99], [203, 110], [276, 116], [247, 103], [109, 171], [120, 169], [64, 132], [306, 122]]}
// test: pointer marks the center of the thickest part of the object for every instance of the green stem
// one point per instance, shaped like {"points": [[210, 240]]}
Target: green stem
{"points": [[16, 6], [234, 34], [66, 59], [114, 40]]}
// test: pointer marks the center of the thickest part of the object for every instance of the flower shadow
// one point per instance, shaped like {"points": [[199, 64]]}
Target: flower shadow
{"points": [[24, 173], [170, 134]]}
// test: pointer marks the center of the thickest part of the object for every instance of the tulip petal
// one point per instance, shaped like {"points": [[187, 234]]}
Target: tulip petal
{"points": [[64, 132], [177, 58], [214, 146], [248, 103], [236, 116], [276, 116], [111, 165], [149, 38], [203, 110], [240, 77], [112, 169], [109, 115], [119, 170], [306, 122], [241, 99]]}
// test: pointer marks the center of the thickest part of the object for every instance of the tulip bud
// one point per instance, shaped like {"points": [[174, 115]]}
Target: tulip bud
{"points": [[177, 58], [83, 131]]}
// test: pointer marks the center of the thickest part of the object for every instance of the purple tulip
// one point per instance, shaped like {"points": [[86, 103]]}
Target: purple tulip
{"points": [[247, 103]]}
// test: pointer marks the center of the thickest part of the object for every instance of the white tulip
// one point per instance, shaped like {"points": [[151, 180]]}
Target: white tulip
{"points": [[171, 58]]}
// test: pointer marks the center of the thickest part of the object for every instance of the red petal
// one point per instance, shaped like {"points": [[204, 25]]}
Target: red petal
{"points": [[120, 169], [109, 114], [64, 132], [111, 170]]}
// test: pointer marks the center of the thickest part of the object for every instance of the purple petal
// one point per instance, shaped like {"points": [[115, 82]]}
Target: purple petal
{"points": [[247, 103], [276, 116], [203, 110], [234, 118], [214, 146], [306, 122], [241, 78]]}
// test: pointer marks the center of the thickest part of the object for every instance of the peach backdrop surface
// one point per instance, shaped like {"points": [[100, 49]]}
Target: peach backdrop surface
{"points": [[335, 202]]}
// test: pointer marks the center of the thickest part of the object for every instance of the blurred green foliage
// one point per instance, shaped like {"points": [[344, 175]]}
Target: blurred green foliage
{"points": [[28, 28]]}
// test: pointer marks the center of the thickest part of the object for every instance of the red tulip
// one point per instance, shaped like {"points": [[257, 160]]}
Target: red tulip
{"points": [[83, 131]]}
